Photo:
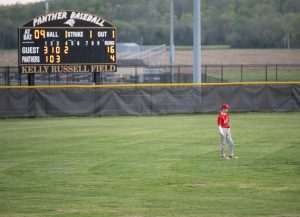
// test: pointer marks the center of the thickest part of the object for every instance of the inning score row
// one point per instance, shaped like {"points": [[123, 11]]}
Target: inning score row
{"points": [[67, 46]]}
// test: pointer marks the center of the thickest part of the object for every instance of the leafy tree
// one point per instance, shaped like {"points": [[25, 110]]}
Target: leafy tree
{"points": [[238, 23]]}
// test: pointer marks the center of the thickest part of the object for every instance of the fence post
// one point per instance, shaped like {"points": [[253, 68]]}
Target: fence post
{"points": [[7, 76], [266, 73], [241, 72], [171, 74], [276, 67], [222, 78], [19, 78], [205, 73], [178, 75], [136, 75]]}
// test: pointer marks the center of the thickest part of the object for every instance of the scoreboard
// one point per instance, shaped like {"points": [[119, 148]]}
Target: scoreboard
{"points": [[67, 41]]}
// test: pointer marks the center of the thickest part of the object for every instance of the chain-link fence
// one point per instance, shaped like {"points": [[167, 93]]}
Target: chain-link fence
{"points": [[157, 74]]}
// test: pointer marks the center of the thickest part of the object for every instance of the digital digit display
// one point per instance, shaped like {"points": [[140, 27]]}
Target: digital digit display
{"points": [[67, 41]]}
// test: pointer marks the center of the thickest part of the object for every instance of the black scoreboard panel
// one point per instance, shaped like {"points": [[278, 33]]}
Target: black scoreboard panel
{"points": [[67, 46], [67, 41], [47, 46]]}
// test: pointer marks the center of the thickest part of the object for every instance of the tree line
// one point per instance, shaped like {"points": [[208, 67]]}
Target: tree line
{"points": [[237, 23]]}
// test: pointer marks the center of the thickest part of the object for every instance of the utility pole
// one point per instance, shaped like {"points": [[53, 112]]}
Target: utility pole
{"points": [[46, 6], [172, 49], [289, 49], [172, 55], [197, 42]]}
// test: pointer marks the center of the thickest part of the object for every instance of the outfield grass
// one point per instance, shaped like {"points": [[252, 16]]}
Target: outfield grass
{"points": [[258, 76], [149, 166]]}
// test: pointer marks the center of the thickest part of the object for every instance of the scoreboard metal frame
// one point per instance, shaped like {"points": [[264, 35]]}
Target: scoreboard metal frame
{"points": [[77, 42]]}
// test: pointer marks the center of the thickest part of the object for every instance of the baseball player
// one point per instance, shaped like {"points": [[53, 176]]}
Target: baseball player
{"points": [[224, 130]]}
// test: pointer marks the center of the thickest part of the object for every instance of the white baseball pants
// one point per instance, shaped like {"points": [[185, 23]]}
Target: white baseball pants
{"points": [[226, 138]]}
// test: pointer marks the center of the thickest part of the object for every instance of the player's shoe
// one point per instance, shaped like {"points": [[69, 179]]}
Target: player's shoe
{"points": [[233, 157], [225, 157]]}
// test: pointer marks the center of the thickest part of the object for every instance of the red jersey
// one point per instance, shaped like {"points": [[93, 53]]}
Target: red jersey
{"points": [[223, 120]]}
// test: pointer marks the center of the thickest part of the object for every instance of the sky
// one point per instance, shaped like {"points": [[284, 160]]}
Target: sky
{"points": [[10, 2]]}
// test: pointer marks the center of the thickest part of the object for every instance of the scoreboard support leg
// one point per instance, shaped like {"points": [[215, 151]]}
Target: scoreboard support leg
{"points": [[30, 79], [96, 78]]}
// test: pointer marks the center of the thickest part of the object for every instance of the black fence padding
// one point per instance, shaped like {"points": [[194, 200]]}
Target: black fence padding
{"points": [[296, 97], [147, 100]]}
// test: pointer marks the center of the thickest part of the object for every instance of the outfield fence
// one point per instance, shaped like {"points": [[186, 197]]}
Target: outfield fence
{"points": [[159, 74], [147, 99]]}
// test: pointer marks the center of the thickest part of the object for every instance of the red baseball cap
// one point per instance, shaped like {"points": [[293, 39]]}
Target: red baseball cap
{"points": [[225, 106]]}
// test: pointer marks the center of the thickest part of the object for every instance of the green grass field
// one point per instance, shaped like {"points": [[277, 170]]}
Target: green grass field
{"points": [[257, 76], [149, 166]]}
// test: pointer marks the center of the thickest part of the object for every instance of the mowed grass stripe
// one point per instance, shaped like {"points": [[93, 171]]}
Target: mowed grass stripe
{"points": [[149, 166]]}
